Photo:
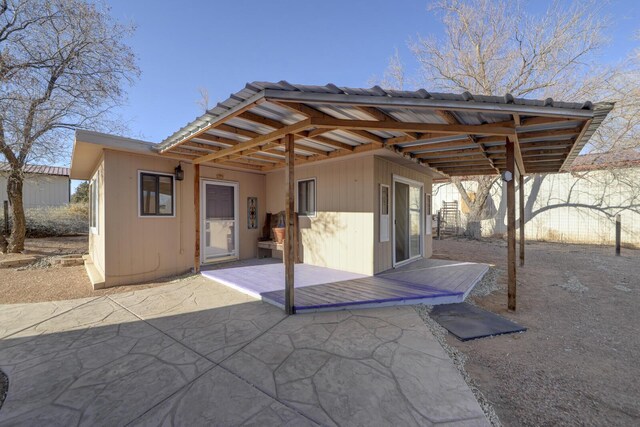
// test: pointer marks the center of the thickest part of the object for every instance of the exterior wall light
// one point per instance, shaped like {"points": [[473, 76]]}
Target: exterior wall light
{"points": [[179, 173]]}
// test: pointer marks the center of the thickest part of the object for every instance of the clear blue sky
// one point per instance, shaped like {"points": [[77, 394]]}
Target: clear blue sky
{"points": [[221, 45]]}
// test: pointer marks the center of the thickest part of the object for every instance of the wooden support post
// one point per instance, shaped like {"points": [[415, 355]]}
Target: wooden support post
{"points": [[511, 226], [196, 207], [289, 253], [618, 234], [522, 219]]}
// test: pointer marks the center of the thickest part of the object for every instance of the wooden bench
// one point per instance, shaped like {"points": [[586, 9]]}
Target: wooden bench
{"points": [[265, 248]]}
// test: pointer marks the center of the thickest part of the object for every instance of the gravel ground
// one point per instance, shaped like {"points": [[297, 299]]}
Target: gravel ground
{"points": [[459, 360], [578, 362], [42, 282]]}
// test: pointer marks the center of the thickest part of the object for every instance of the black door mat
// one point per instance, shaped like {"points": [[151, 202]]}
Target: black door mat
{"points": [[468, 322]]}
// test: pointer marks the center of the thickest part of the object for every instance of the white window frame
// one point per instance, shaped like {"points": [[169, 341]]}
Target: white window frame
{"points": [[94, 201], [203, 216], [384, 219], [173, 180], [420, 185], [315, 196], [428, 200]]}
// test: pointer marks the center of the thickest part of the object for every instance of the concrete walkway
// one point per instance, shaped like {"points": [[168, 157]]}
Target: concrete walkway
{"points": [[198, 353]]}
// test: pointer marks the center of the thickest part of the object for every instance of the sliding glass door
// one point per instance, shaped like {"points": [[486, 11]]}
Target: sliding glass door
{"points": [[408, 211]]}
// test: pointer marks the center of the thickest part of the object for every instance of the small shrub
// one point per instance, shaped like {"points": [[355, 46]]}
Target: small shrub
{"points": [[71, 219]]}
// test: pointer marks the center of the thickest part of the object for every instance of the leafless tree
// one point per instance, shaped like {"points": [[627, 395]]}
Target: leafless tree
{"points": [[204, 100], [63, 65], [495, 47]]}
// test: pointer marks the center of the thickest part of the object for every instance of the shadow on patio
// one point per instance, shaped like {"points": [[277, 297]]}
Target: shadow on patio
{"points": [[194, 352]]}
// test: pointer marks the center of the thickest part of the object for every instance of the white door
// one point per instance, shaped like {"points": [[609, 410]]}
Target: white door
{"points": [[219, 216], [407, 220]]}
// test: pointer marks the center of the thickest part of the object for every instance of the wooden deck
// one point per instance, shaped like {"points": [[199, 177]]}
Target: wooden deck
{"points": [[426, 281]]}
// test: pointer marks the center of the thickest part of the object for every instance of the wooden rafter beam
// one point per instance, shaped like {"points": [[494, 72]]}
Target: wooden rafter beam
{"points": [[474, 158], [216, 122], [257, 141], [539, 120], [486, 129], [448, 153], [434, 146], [214, 138], [327, 141], [451, 119], [311, 112], [523, 136], [518, 154], [381, 116], [334, 154]]}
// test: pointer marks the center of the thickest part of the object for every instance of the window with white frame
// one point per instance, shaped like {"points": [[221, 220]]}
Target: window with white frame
{"points": [[156, 194], [93, 204], [384, 213], [307, 197]]}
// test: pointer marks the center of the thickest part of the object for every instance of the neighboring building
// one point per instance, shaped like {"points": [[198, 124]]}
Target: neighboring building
{"points": [[579, 206], [43, 185], [362, 184]]}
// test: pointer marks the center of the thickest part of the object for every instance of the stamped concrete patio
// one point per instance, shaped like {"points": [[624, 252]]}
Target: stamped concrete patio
{"points": [[195, 352]]}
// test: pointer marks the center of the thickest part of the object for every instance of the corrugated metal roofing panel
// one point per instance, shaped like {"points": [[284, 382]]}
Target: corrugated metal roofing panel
{"points": [[405, 106], [38, 169]]}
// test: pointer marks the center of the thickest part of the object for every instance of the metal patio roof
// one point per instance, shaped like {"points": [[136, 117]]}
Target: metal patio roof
{"points": [[455, 134]]}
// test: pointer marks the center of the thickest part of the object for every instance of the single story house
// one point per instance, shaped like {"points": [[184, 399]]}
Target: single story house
{"points": [[356, 165], [43, 185]]}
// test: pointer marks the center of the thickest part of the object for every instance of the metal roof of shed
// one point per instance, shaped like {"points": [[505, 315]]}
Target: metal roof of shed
{"points": [[39, 169], [455, 134]]}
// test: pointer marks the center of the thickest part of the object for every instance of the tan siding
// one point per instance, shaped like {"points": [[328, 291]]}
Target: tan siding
{"points": [[40, 190], [384, 171], [142, 249], [341, 234]]}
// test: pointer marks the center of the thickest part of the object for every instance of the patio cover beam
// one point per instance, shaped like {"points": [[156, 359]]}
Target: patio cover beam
{"points": [[486, 129], [257, 141], [522, 219], [511, 226], [311, 112]]}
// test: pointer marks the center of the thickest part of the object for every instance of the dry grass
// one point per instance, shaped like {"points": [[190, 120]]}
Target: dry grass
{"points": [[68, 220]]}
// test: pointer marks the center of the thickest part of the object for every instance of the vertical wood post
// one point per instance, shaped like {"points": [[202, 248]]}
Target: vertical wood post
{"points": [[289, 253], [618, 233], [511, 226], [522, 219], [196, 207]]}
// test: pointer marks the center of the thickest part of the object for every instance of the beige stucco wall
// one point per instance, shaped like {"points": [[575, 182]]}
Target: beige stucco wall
{"points": [[340, 236], [140, 249], [384, 171], [97, 239]]}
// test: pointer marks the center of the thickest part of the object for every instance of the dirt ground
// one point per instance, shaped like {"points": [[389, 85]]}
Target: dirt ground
{"points": [[37, 284], [578, 362]]}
